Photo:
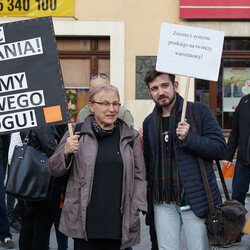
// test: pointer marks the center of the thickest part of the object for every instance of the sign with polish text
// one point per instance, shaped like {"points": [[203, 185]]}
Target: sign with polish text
{"points": [[32, 93], [190, 51]]}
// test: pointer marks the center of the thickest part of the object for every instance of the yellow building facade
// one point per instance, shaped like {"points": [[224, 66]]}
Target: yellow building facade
{"points": [[133, 27]]}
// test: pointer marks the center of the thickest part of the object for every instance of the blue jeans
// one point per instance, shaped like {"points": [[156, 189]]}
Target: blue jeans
{"points": [[4, 220], [62, 239], [168, 220], [241, 182]]}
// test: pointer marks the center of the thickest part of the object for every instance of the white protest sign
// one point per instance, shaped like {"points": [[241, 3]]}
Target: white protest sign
{"points": [[189, 51]]}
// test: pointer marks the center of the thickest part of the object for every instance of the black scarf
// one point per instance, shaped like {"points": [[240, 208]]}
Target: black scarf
{"points": [[99, 132]]}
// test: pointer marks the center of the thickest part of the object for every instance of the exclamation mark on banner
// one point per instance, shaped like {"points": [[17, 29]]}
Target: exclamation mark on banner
{"points": [[32, 118], [38, 44]]}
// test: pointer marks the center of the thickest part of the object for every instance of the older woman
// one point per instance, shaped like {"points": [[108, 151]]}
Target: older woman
{"points": [[106, 188]]}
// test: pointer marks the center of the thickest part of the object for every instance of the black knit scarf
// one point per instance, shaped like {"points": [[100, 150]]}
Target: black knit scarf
{"points": [[101, 132], [167, 185]]}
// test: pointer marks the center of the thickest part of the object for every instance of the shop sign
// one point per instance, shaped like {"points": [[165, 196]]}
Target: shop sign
{"points": [[30, 75], [214, 9], [36, 8]]}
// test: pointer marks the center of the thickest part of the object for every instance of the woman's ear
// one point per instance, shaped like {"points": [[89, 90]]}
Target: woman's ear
{"points": [[91, 106]]}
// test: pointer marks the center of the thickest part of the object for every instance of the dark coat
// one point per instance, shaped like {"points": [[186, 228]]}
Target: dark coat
{"points": [[240, 133], [4, 146], [43, 139], [208, 144]]}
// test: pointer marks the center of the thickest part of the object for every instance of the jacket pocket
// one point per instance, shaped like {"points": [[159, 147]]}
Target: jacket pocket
{"points": [[72, 210], [134, 220]]}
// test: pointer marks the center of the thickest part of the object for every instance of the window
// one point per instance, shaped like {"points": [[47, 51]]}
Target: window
{"points": [[80, 57], [235, 64]]}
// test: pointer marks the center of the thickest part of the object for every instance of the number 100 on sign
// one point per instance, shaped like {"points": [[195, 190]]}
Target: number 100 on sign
{"points": [[36, 8]]}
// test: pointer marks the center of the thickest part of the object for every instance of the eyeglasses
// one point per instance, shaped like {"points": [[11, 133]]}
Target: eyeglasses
{"points": [[108, 104], [102, 75]]}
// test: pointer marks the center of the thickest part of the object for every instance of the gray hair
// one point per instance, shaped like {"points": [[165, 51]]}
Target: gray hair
{"points": [[102, 87]]}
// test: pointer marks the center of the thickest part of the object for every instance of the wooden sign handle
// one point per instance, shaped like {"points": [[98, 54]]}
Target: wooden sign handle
{"points": [[185, 99], [70, 129]]}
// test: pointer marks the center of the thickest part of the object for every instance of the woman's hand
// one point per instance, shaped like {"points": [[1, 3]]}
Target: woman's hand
{"points": [[71, 145]]}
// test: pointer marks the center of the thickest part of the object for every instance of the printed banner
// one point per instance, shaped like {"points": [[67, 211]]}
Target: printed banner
{"points": [[36, 8], [236, 83], [31, 86], [190, 51]]}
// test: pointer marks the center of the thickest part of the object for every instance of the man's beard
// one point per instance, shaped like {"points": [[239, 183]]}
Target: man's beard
{"points": [[165, 104]]}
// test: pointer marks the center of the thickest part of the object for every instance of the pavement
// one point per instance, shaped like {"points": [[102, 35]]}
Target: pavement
{"points": [[145, 240]]}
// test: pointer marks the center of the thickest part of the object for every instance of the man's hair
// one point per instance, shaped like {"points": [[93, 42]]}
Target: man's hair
{"points": [[152, 74], [102, 87]]}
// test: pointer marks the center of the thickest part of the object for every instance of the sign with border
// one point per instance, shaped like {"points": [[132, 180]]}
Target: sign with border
{"points": [[32, 93], [190, 51]]}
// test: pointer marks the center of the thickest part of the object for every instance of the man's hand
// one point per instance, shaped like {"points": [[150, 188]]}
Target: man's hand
{"points": [[182, 130]]}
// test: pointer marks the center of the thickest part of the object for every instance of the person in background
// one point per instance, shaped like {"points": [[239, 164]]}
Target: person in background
{"points": [[238, 90], [247, 82], [239, 138], [38, 216], [97, 79], [14, 208], [5, 235], [107, 181], [230, 88], [61, 239], [176, 193]]}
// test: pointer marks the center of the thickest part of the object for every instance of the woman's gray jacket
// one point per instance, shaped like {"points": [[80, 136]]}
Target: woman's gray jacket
{"points": [[78, 192]]}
